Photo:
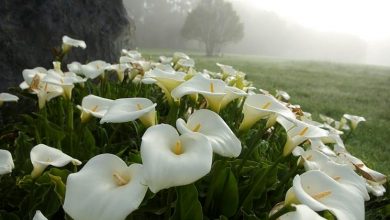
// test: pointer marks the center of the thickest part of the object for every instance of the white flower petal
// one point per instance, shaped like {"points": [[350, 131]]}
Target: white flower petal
{"points": [[130, 109], [95, 105], [105, 188], [6, 162], [73, 42], [223, 141], [6, 97], [39, 216], [42, 156], [320, 192], [172, 160]]}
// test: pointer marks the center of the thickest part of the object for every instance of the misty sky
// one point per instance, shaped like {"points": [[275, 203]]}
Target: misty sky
{"points": [[368, 19]]}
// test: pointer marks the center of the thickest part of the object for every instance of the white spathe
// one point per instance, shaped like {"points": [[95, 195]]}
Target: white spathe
{"points": [[95, 106], [105, 188], [298, 132], [171, 160], [6, 97], [94, 69], [223, 141], [302, 212], [215, 91], [131, 109], [259, 106], [320, 192], [354, 120], [67, 41], [39, 216], [42, 156], [6, 162]]}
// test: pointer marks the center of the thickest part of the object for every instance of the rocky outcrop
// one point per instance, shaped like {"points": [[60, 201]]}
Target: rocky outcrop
{"points": [[29, 29]]}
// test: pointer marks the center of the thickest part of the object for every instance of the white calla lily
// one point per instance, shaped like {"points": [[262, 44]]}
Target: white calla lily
{"points": [[39, 216], [261, 106], [6, 162], [315, 160], [320, 192], [165, 60], [131, 109], [215, 91], [75, 67], [223, 141], [42, 156], [282, 95], [302, 212], [172, 160], [32, 78], [354, 120], [298, 132], [226, 70], [119, 69], [94, 69], [358, 165], [105, 188], [95, 106], [166, 80], [68, 42], [65, 80], [135, 55], [179, 55], [6, 97]]}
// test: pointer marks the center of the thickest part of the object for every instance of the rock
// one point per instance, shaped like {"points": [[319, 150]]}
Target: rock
{"points": [[29, 29]]}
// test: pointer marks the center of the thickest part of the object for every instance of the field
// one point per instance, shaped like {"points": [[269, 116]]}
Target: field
{"points": [[328, 88]]}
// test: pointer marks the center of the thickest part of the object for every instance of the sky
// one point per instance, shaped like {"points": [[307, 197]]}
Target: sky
{"points": [[368, 19]]}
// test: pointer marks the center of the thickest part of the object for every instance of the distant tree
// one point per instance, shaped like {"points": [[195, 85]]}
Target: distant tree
{"points": [[213, 23]]}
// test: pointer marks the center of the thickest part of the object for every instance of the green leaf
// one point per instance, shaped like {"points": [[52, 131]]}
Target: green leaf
{"points": [[187, 204]]}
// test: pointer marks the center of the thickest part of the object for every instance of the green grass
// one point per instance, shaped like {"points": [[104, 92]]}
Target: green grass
{"points": [[328, 88]]}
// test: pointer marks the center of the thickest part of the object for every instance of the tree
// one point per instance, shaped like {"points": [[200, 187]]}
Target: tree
{"points": [[213, 23]]}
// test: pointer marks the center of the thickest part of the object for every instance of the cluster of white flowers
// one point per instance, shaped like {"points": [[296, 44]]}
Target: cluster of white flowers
{"points": [[107, 188]]}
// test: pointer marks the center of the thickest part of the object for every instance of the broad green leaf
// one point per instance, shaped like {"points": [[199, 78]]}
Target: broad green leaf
{"points": [[188, 206]]}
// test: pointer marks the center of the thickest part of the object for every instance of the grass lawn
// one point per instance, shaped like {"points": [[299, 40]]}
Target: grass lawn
{"points": [[328, 88]]}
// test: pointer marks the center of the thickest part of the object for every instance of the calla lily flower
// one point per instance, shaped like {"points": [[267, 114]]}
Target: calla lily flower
{"points": [[119, 69], [215, 91], [165, 60], [179, 55], [172, 160], [6, 97], [315, 160], [326, 119], [261, 106], [302, 212], [226, 70], [105, 188], [223, 141], [95, 106], [360, 167], [6, 162], [131, 109], [94, 69], [282, 95], [42, 156], [39, 216], [68, 43], [354, 120], [66, 81], [166, 80], [75, 67], [298, 132], [321, 192], [32, 78], [135, 55], [185, 63]]}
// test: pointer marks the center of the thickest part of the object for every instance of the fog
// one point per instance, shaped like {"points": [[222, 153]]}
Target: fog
{"points": [[266, 33]]}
